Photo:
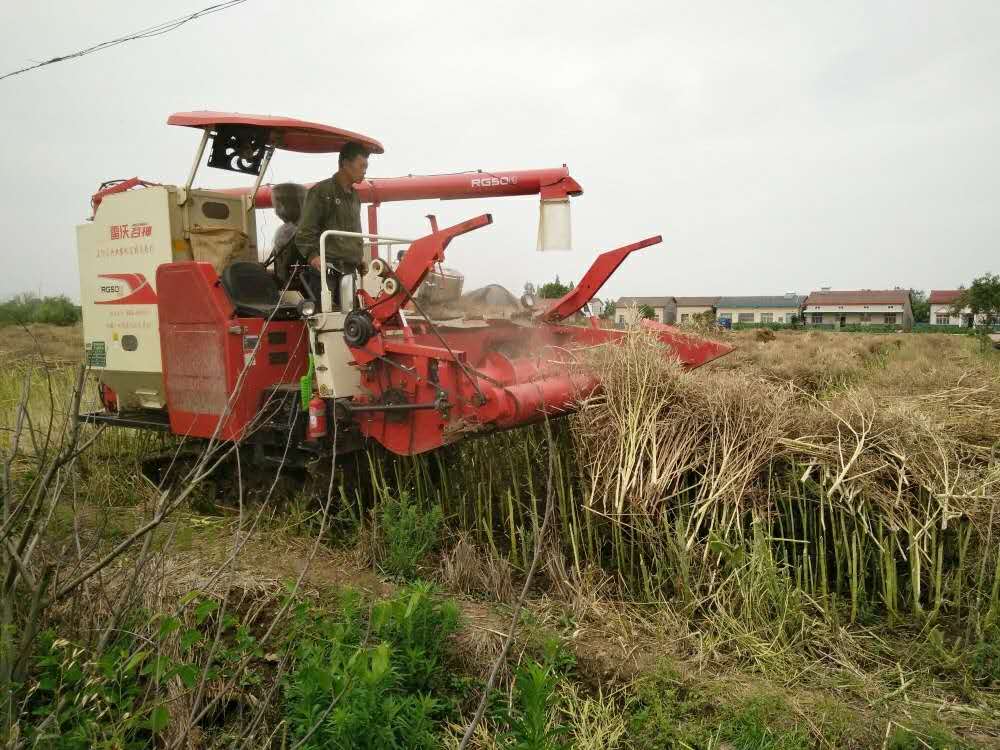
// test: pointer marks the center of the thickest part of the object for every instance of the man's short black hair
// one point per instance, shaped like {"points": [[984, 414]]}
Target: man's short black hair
{"points": [[351, 150]]}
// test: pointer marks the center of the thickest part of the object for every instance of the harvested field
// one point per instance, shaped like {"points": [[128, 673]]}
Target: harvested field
{"points": [[797, 546], [58, 344]]}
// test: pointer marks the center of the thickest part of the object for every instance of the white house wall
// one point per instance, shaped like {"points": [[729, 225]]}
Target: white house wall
{"points": [[630, 314], [778, 314], [954, 320]]}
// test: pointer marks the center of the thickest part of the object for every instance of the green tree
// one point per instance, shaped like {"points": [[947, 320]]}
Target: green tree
{"points": [[554, 289], [608, 311], [647, 312], [30, 308], [982, 298], [921, 307]]}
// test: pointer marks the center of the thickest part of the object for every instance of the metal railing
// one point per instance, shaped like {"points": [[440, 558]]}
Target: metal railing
{"points": [[326, 298]]}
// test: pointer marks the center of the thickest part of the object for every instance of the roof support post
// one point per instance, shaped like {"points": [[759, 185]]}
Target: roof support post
{"points": [[265, 162], [205, 135]]}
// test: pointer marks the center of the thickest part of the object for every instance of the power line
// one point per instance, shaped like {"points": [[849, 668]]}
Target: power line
{"points": [[157, 30]]}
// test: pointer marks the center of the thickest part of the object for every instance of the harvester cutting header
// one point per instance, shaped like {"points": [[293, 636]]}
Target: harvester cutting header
{"points": [[190, 332]]}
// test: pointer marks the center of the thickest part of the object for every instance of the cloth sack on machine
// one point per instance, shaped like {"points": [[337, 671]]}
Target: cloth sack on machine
{"points": [[219, 246], [287, 199]]}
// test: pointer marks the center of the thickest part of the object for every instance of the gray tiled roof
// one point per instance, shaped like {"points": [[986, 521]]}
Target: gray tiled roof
{"points": [[697, 301], [793, 301], [639, 301]]}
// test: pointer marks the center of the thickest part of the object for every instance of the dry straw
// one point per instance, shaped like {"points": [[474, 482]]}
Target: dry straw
{"points": [[856, 488]]}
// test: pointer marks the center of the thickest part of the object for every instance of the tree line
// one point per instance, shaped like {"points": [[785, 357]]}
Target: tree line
{"points": [[57, 310]]}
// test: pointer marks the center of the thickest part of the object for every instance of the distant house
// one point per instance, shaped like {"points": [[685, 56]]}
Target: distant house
{"points": [[690, 307], [766, 309], [942, 302], [626, 309], [859, 307]]}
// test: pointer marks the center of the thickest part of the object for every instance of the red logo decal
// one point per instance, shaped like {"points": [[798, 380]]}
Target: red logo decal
{"points": [[134, 286], [131, 231]]}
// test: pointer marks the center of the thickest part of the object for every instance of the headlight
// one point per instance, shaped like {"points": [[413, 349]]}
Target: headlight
{"points": [[307, 308]]}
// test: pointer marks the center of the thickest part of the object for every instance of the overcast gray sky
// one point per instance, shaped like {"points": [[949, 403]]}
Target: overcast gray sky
{"points": [[777, 146]]}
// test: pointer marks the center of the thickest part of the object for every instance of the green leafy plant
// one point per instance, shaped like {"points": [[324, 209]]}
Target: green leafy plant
{"points": [[117, 697], [354, 685], [408, 532], [532, 725], [79, 700], [557, 658]]}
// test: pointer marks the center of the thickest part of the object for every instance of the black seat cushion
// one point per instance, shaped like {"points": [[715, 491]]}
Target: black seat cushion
{"points": [[254, 292]]}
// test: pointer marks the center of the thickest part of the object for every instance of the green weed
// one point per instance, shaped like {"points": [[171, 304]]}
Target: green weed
{"points": [[533, 724], [668, 713], [762, 724], [984, 660], [925, 738], [672, 713], [77, 697], [378, 684], [79, 700], [409, 532]]}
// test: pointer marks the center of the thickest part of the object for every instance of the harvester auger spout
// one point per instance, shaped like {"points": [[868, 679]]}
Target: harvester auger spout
{"points": [[429, 384]]}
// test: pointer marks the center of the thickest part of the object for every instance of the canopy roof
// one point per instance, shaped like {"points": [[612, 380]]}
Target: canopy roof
{"points": [[285, 133]]}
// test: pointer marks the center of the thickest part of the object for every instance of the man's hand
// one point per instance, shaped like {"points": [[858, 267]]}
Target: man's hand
{"points": [[316, 263]]}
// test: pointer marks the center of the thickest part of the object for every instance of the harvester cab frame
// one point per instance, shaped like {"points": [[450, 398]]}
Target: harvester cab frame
{"points": [[189, 333]]}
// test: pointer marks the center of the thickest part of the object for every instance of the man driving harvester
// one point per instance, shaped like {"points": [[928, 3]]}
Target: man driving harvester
{"points": [[334, 204]]}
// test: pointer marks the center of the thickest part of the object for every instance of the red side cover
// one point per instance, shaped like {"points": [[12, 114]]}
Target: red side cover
{"points": [[217, 367]]}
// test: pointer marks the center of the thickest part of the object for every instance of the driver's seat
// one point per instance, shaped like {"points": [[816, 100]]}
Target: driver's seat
{"points": [[254, 292]]}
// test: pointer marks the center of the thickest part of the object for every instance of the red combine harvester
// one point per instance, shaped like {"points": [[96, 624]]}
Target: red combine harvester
{"points": [[189, 332]]}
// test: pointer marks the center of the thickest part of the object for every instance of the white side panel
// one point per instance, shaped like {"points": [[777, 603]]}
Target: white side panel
{"points": [[119, 252], [335, 376]]}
